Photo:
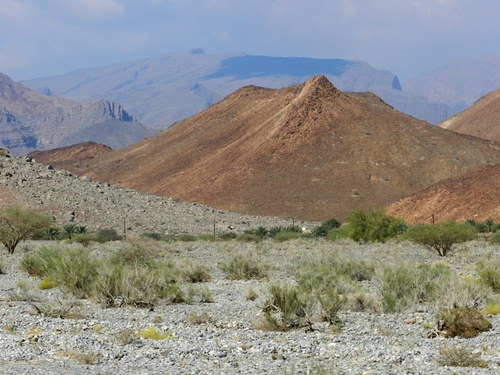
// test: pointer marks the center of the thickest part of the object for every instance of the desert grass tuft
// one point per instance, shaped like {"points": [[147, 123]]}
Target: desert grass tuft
{"points": [[459, 356]]}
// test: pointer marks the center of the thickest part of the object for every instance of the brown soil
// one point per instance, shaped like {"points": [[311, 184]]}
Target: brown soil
{"points": [[307, 151]]}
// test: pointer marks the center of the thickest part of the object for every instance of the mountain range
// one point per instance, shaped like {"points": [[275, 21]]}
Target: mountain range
{"points": [[32, 121], [165, 89], [308, 151]]}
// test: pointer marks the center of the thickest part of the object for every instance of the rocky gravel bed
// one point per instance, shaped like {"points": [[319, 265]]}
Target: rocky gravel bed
{"points": [[222, 337], [98, 205]]}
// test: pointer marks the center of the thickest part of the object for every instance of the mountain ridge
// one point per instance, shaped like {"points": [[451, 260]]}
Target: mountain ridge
{"points": [[309, 151], [30, 120], [164, 89]]}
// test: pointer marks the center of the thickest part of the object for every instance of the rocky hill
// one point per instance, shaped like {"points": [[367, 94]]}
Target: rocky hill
{"points": [[165, 89], [70, 157], [482, 119], [473, 195], [33, 121], [99, 205], [308, 151]]}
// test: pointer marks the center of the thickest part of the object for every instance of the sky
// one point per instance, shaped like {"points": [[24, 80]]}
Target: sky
{"points": [[40, 38]]}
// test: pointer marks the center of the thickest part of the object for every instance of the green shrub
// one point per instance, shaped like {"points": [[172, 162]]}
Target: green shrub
{"points": [[323, 229], [47, 234], [440, 237], [287, 236], [196, 273], [492, 309], [404, 286], [187, 238], [154, 334], [228, 236], [489, 274], [287, 301], [248, 237], [107, 234], [152, 235], [372, 226], [240, 267], [47, 283], [495, 238], [75, 271]]}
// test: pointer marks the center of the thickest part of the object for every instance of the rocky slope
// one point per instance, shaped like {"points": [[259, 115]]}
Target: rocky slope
{"points": [[309, 151], [165, 89], [473, 195], [482, 119], [98, 205], [33, 121]]}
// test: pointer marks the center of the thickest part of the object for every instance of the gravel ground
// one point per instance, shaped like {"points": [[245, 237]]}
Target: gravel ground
{"points": [[221, 337]]}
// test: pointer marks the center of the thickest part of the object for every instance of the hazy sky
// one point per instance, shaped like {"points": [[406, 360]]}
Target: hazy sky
{"points": [[46, 37]]}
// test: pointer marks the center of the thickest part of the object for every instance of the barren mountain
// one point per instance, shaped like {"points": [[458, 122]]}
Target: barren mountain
{"points": [[308, 151], [70, 157], [165, 89], [30, 120], [472, 195], [482, 119]]}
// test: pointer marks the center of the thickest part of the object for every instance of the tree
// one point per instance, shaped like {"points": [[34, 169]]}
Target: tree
{"points": [[17, 225], [373, 226], [442, 236]]}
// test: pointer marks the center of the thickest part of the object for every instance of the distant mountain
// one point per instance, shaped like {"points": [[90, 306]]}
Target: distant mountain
{"points": [[473, 195], [482, 119], [163, 90], [308, 151], [458, 84], [32, 121]]}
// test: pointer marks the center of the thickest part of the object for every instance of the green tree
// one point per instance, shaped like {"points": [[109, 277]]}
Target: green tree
{"points": [[442, 236], [17, 224], [372, 226]]}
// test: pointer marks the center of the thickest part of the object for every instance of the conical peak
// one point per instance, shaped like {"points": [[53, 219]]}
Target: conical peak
{"points": [[319, 82]]}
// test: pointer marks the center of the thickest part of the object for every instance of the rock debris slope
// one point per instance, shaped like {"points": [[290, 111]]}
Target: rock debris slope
{"points": [[98, 205], [308, 151]]}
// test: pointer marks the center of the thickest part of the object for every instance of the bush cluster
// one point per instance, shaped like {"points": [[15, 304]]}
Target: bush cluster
{"points": [[128, 276]]}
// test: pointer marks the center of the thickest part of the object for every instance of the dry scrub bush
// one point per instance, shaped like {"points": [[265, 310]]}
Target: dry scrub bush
{"points": [[240, 267], [464, 322], [459, 356], [404, 286], [489, 274], [128, 276]]}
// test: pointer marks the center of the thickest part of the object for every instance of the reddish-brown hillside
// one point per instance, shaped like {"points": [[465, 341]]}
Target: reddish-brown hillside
{"points": [[70, 157], [308, 151], [473, 195], [482, 119]]}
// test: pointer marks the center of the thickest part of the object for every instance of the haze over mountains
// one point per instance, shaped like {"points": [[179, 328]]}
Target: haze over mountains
{"points": [[458, 84], [309, 151], [165, 89], [33, 121]]}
